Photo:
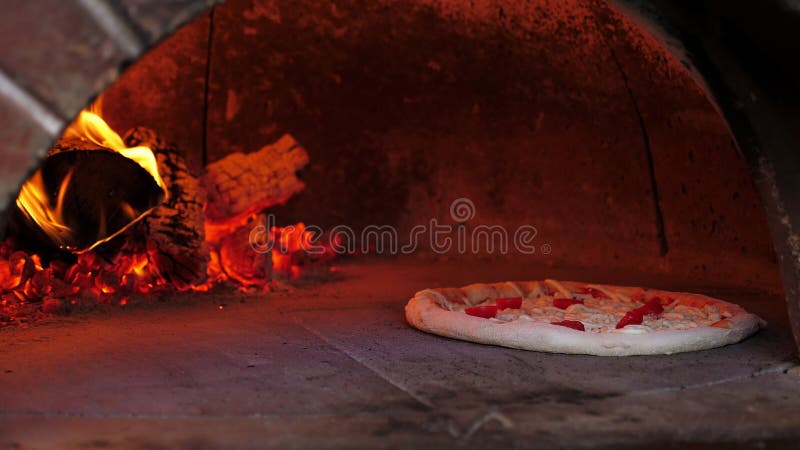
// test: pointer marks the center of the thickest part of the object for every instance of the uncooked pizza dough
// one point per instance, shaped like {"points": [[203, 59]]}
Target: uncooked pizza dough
{"points": [[580, 318]]}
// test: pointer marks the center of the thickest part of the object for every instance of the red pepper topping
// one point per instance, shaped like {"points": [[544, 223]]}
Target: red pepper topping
{"points": [[634, 317], [574, 324], [509, 302], [596, 293], [564, 303], [487, 312], [652, 307]]}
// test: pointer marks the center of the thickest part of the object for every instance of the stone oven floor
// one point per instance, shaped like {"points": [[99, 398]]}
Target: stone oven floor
{"points": [[334, 365]]}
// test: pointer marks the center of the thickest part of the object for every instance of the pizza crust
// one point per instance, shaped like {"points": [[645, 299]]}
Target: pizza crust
{"points": [[425, 312]]}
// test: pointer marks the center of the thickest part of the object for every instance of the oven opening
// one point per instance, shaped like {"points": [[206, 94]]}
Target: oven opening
{"points": [[228, 231]]}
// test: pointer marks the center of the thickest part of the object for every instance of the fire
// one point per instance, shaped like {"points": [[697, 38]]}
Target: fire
{"points": [[90, 126], [48, 213], [136, 268], [34, 202]]}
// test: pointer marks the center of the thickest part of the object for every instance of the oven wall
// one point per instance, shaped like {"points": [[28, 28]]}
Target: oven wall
{"points": [[557, 114]]}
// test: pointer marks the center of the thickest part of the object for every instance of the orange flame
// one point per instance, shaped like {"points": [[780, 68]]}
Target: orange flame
{"points": [[33, 201], [89, 125]]}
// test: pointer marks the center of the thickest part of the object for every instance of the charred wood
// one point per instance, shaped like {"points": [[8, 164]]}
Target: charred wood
{"points": [[97, 194], [242, 185], [175, 229]]}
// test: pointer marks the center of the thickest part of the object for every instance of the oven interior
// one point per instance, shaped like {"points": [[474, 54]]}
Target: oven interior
{"points": [[563, 117]]}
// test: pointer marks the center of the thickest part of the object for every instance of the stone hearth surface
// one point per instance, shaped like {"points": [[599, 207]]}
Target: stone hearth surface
{"points": [[334, 365]]}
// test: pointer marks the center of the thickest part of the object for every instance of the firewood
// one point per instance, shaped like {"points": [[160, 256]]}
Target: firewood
{"points": [[175, 229], [66, 144], [242, 185], [240, 261], [103, 193], [100, 191]]}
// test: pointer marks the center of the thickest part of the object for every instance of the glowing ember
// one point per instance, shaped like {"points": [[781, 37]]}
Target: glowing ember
{"points": [[30, 288], [288, 257]]}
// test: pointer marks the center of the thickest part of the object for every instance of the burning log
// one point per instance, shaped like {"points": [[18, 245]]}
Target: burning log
{"points": [[242, 185], [81, 197], [175, 229]]}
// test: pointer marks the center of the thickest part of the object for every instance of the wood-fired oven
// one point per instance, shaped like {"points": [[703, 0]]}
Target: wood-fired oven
{"points": [[165, 166]]}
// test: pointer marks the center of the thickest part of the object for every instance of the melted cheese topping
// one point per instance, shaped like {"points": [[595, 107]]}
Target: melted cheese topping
{"points": [[601, 315]]}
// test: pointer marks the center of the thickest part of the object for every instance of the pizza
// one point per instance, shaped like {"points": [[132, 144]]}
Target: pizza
{"points": [[581, 318]]}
